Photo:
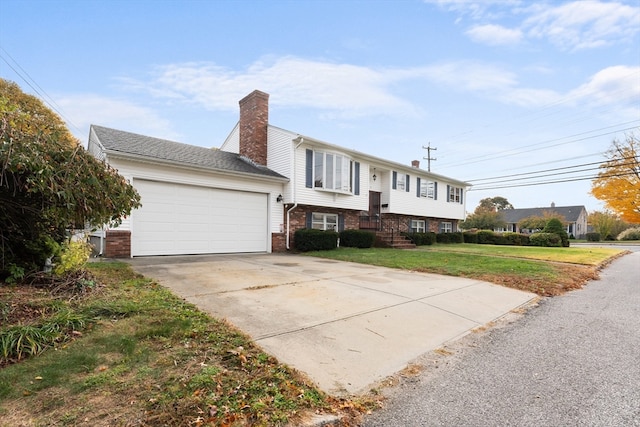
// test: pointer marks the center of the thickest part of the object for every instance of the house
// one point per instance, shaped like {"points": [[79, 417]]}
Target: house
{"points": [[575, 218], [262, 185]]}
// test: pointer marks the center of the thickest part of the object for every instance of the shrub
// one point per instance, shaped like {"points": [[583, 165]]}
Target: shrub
{"points": [[470, 237], [357, 238], [308, 239], [554, 225], [421, 239], [545, 239], [630, 234], [510, 238], [73, 257], [455, 237], [593, 237], [486, 237]]}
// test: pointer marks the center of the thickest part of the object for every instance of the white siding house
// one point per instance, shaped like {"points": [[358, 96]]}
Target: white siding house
{"points": [[263, 184]]}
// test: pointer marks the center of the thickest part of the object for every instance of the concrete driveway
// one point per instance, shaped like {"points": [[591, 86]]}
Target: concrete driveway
{"points": [[346, 325]]}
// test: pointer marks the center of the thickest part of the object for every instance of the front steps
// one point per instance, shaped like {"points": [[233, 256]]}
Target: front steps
{"points": [[393, 240]]}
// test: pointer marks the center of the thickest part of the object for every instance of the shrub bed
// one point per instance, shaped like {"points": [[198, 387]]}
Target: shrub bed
{"points": [[455, 237], [308, 239], [470, 237], [593, 237], [357, 238], [422, 239], [545, 239]]}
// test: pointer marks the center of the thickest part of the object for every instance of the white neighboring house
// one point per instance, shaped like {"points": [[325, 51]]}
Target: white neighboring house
{"points": [[262, 185]]}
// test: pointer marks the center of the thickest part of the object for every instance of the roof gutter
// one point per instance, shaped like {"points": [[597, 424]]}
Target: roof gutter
{"points": [[293, 191]]}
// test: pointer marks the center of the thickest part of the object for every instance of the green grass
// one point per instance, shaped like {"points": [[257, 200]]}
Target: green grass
{"points": [[146, 354], [525, 268]]}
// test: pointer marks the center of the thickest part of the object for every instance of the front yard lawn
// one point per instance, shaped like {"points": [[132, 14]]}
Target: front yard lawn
{"points": [[545, 271]]}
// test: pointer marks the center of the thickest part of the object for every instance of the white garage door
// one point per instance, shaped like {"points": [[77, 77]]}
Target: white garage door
{"points": [[178, 219]]}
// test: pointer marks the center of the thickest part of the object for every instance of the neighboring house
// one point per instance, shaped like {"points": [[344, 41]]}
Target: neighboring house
{"points": [[575, 218], [262, 185]]}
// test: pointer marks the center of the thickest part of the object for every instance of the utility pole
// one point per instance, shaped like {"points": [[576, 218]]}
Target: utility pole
{"points": [[429, 158]]}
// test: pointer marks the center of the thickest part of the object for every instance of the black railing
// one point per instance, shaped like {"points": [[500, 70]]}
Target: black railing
{"points": [[371, 222]]}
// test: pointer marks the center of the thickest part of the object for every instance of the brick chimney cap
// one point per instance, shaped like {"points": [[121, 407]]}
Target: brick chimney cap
{"points": [[255, 93]]}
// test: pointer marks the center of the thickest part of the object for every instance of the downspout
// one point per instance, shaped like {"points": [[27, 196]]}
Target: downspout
{"points": [[293, 184]]}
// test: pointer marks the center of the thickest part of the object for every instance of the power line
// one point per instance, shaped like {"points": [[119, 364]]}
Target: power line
{"points": [[531, 184]]}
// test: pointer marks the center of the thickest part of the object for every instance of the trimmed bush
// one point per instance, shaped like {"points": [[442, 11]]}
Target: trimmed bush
{"points": [[470, 237], [422, 239], [554, 225], [486, 237], [308, 239], [630, 234], [455, 237], [357, 238], [593, 237], [545, 239], [511, 238]]}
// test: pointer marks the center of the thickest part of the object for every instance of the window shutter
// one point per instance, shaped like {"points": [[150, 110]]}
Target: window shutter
{"points": [[340, 222], [309, 169], [309, 219], [435, 190], [461, 192], [356, 183], [394, 180], [448, 196], [407, 179], [418, 187]]}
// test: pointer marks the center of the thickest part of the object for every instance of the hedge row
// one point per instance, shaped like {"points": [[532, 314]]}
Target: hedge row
{"points": [[308, 239]]}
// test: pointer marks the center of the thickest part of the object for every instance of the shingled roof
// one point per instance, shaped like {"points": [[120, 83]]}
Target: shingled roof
{"points": [[513, 216], [129, 144]]}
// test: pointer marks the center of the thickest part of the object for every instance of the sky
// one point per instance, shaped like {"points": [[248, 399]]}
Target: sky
{"points": [[511, 94]]}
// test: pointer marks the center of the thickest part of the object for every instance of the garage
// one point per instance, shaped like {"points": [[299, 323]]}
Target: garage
{"points": [[179, 219]]}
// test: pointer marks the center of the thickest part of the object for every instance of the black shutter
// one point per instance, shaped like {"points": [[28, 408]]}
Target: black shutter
{"points": [[448, 196], [407, 179], [435, 190], [309, 219], [309, 169], [356, 183], [461, 191], [418, 187], [340, 222], [394, 180]]}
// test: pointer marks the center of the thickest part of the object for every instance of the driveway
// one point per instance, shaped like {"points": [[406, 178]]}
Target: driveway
{"points": [[346, 325]]}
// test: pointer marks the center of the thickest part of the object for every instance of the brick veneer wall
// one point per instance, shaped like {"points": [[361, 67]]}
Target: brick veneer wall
{"points": [[254, 120], [117, 244], [278, 242]]}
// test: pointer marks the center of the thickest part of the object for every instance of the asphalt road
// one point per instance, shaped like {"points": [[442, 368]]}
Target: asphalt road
{"points": [[572, 361]]}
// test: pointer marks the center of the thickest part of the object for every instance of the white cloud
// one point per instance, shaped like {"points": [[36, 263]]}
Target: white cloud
{"points": [[83, 110], [494, 35], [613, 85], [295, 82], [584, 24]]}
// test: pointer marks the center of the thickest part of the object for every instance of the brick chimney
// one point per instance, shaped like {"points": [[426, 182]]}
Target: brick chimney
{"points": [[415, 164], [254, 118]]}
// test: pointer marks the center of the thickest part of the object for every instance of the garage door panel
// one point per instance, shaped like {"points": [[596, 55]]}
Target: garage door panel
{"points": [[182, 219]]}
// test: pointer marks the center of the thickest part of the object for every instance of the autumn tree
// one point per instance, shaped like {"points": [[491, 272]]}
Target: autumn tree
{"points": [[493, 204], [538, 222], [618, 182], [487, 214], [49, 183], [607, 224]]}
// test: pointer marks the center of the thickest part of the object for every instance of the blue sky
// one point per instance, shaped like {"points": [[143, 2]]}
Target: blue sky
{"points": [[499, 87]]}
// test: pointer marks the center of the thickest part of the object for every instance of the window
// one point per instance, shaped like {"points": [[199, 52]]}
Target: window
{"points": [[322, 221], [428, 189], [446, 227], [332, 172], [417, 226], [455, 194], [400, 181]]}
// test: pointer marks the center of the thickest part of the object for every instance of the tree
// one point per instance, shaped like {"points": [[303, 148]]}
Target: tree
{"points": [[483, 221], [49, 183], [536, 222], [607, 224], [555, 226], [618, 182], [493, 204]]}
